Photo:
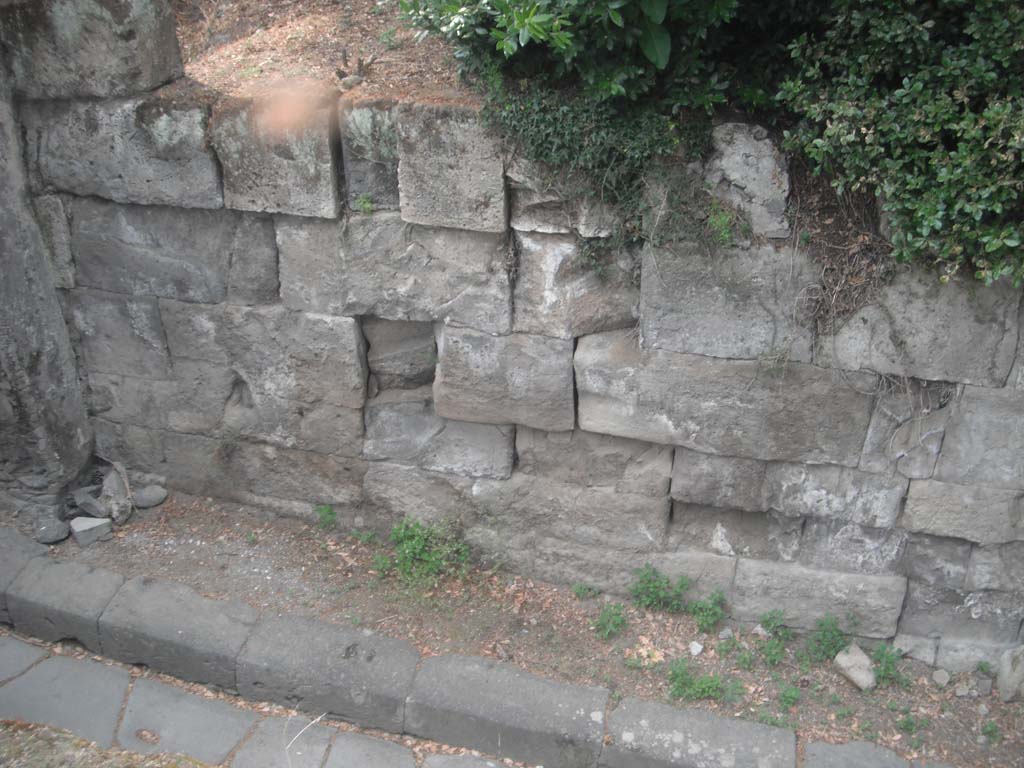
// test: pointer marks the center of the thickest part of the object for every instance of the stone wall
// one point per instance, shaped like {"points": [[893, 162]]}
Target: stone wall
{"points": [[369, 304]]}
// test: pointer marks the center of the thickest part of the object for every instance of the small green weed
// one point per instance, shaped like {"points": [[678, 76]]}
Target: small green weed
{"points": [[745, 660], [720, 224], [774, 622], [611, 621], [826, 640], [654, 591], [767, 718], [911, 725], [426, 553], [789, 695], [382, 564], [585, 591], [734, 692], [252, 539], [728, 647], [327, 517], [773, 651], [364, 203], [985, 668], [365, 537], [834, 699], [844, 713], [868, 731], [683, 684], [389, 39], [708, 611], [887, 670], [991, 731]]}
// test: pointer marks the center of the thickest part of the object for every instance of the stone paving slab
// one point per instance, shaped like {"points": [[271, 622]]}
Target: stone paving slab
{"points": [[58, 601], [645, 734], [356, 675], [172, 628], [15, 552], [458, 761], [352, 750], [285, 741], [182, 723], [500, 709], [17, 656], [81, 696]]}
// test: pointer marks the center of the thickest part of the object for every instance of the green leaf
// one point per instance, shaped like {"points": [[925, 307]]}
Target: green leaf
{"points": [[654, 10], [656, 44], [616, 18]]}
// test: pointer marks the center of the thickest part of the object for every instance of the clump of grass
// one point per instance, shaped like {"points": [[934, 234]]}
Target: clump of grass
{"points": [[327, 517], [684, 684], [887, 671], [990, 731], [708, 612], [425, 553], [911, 725], [826, 640], [584, 591], [611, 621], [774, 623], [654, 591], [789, 695], [773, 651]]}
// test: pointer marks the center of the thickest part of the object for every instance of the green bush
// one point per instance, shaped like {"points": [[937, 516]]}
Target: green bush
{"points": [[923, 102], [708, 612], [611, 621], [426, 553], [655, 591]]}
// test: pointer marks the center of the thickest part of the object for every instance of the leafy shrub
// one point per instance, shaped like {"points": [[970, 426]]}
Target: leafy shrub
{"points": [[655, 591], [611, 621], [887, 671], [826, 640], [923, 101], [773, 651], [426, 553], [684, 684], [708, 612]]}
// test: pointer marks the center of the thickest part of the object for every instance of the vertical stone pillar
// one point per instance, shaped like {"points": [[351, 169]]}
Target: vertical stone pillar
{"points": [[45, 436]]}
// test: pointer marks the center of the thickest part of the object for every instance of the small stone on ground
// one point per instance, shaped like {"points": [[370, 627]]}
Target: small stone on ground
{"points": [[150, 496], [856, 666], [88, 530], [940, 677]]}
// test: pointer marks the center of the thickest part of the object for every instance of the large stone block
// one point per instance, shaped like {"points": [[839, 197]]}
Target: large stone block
{"points": [[136, 447], [550, 201], [191, 255], [450, 171], [402, 491], [277, 154], [747, 304], [291, 355], [997, 567], [917, 326], [727, 407], [747, 171], [732, 532], [401, 355], [595, 461], [174, 630], [949, 614], [52, 215], [369, 151], [401, 426], [61, 601], [977, 513], [717, 481], [152, 153], [119, 334], [805, 595], [90, 47], [984, 442], [522, 378], [502, 710], [936, 561], [378, 265], [16, 551], [352, 674], [646, 734], [840, 545], [527, 508], [841, 493], [558, 295], [907, 428]]}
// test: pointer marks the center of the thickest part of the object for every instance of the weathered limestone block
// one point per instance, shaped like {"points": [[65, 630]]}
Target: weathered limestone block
{"points": [[286, 354], [964, 655], [746, 304], [450, 171], [523, 379], [1017, 373], [918, 326], [72, 48], [152, 153], [119, 334], [841, 493], [920, 648], [536, 207], [52, 215], [557, 295], [732, 532], [936, 561], [843, 546], [907, 428], [276, 153], [595, 461], [527, 507], [320, 427], [728, 407], [984, 443], [401, 355], [369, 150], [378, 265], [997, 567], [191, 255], [705, 572], [748, 172], [405, 491], [717, 481], [292, 481], [977, 513], [401, 426], [987, 617], [137, 447], [804, 595]]}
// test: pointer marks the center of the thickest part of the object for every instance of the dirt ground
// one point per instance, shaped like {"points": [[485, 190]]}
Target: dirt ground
{"points": [[40, 746], [227, 550]]}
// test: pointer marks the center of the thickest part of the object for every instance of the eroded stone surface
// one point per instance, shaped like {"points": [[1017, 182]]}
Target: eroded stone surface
{"points": [[984, 442], [844, 546], [936, 561], [954, 615], [52, 215], [401, 355], [977, 513], [833, 492], [369, 149], [728, 407], [378, 265], [748, 304], [997, 567], [153, 153], [404, 491], [119, 334], [450, 171], [717, 481], [732, 532], [522, 378], [920, 327]]}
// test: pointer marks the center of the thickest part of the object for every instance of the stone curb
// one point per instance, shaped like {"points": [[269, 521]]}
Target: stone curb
{"points": [[368, 679]]}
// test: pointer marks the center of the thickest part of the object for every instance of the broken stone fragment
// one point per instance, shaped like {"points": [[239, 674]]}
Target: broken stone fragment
{"points": [[1010, 674], [855, 666], [87, 501], [88, 530], [150, 496], [115, 495]]}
